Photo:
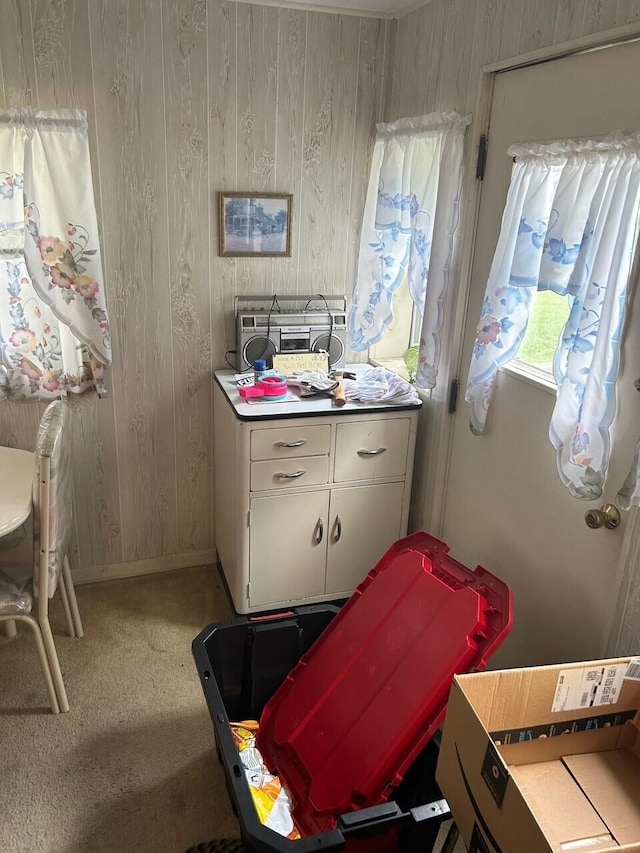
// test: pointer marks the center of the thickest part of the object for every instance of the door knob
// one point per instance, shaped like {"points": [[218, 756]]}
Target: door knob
{"points": [[608, 516]]}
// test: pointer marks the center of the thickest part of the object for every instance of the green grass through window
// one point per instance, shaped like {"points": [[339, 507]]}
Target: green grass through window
{"points": [[548, 316]]}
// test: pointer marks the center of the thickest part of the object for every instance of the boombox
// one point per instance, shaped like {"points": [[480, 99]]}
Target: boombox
{"points": [[275, 328]]}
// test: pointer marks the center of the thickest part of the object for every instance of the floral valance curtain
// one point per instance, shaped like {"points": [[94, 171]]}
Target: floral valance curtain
{"points": [[570, 225], [54, 329], [410, 217]]}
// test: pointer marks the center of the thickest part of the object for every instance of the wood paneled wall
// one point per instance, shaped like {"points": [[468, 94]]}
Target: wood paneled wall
{"points": [[441, 47], [185, 98]]}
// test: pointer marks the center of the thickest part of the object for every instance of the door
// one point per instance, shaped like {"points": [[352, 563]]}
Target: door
{"points": [[287, 547], [505, 505], [363, 522]]}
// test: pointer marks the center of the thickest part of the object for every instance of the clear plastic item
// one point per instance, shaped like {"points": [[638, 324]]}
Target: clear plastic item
{"points": [[15, 596]]}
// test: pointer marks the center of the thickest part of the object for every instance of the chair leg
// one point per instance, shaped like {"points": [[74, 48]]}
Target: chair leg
{"points": [[44, 663], [10, 628], [54, 663], [73, 601], [65, 605]]}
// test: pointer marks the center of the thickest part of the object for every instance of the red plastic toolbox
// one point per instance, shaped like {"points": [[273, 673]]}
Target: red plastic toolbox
{"points": [[360, 706]]}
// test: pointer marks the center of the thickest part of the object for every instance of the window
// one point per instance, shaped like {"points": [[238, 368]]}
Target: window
{"points": [[54, 329], [408, 230], [398, 348], [547, 319], [564, 253]]}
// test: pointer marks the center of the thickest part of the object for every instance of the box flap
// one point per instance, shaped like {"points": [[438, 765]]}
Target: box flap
{"points": [[559, 805], [611, 781], [533, 696], [358, 709], [555, 748]]}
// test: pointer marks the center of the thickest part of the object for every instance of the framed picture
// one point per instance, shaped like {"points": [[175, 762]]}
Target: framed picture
{"points": [[255, 224]]}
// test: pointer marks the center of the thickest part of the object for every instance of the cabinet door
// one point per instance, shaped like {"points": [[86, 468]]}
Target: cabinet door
{"points": [[363, 522], [287, 547]]}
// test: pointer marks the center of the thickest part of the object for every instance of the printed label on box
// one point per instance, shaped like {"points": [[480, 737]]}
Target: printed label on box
{"points": [[566, 727], [633, 670], [588, 687]]}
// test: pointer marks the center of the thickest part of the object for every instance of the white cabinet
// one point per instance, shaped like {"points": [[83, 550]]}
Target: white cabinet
{"points": [[305, 506]]}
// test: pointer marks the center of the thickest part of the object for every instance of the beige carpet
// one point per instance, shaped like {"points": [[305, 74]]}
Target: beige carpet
{"points": [[132, 766]]}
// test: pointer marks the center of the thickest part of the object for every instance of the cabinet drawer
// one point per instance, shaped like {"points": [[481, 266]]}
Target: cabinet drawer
{"points": [[289, 473], [283, 442], [369, 450]]}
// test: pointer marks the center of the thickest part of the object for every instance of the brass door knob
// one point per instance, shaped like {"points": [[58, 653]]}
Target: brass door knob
{"points": [[608, 516]]}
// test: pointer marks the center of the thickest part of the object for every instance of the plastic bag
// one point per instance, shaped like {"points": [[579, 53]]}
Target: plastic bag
{"points": [[15, 596], [379, 385], [270, 798]]}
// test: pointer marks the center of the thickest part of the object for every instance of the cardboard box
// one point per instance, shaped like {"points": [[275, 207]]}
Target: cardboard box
{"points": [[545, 759]]}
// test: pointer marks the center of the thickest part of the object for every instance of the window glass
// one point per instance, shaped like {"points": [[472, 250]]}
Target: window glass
{"points": [[549, 313]]}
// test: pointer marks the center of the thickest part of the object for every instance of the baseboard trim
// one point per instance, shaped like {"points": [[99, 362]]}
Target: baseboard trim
{"points": [[133, 568]]}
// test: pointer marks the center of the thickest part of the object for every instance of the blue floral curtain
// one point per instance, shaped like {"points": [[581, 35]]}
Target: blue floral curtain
{"points": [[410, 217], [570, 225], [54, 328]]}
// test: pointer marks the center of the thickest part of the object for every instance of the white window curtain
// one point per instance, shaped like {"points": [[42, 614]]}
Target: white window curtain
{"points": [[54, 329], [570, 225], [410, 218]]}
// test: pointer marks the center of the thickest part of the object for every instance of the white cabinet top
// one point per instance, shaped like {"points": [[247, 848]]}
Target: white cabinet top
{"points": [[300, 407]]}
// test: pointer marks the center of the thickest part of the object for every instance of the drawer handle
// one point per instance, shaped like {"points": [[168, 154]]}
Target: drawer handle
{"points": [[337, 529], [293, 476], [290, 443], [318, 532], [376, 452]]}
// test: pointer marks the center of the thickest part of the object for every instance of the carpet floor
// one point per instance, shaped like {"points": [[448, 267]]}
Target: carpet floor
{"points": [[132, 766]]}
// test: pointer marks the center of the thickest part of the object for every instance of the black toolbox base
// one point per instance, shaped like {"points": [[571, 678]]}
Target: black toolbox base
{"points": [[240, 664]]}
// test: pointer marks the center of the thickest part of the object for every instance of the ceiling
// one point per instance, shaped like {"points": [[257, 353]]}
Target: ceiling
{"points": [[369, 8]]}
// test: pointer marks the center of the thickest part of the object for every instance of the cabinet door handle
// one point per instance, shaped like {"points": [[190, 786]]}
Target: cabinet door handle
{"points": [[376, 452], [337, 529], [319, 532], [290, 443], [293, 476]]}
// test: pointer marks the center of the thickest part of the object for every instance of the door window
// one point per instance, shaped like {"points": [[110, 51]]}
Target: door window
{"points": [[569, 228], [547, 318]]}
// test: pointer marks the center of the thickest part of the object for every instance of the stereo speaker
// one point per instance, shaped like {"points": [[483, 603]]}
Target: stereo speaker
{"points": [[334, 343], [256, 343]]}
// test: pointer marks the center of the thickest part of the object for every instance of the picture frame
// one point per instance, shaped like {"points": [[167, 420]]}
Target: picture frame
{"points": [[254, 224]]}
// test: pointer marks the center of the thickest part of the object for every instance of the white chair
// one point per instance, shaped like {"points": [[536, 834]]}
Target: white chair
{"points": [[52, 522]]}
